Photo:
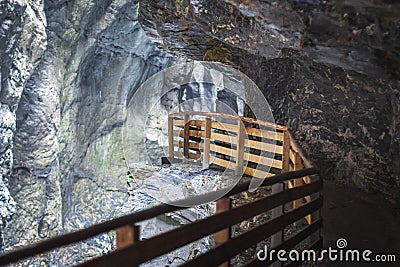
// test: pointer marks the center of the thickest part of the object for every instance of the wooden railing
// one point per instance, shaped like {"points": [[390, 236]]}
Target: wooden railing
{"points": [[230, 143], [295, 196], [253, 147]]}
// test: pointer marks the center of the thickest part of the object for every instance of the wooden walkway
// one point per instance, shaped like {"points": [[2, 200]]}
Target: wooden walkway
{"points": [[244, 145]]}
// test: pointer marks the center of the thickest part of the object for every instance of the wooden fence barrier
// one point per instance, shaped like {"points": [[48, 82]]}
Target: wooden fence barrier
{"points": [[233, 146]]}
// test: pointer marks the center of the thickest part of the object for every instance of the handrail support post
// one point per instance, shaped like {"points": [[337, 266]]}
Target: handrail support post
{"points": [[223, 204]]}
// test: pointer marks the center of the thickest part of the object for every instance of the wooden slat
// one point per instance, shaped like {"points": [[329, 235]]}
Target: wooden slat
{"points": [[206, 114], [222, 162], [214, 135], [257, 173], [224, 138], [223, 150], [224, 126], [181, 123], [192, 145], [288, 244], [233, 117], [265, 134], [275, 163], [161, 244], [196, 133], [178, 122], [277, 149], [237, 244], [264, 123]]}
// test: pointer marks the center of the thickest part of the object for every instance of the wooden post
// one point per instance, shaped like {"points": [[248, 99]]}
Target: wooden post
{"points": [[240, 147], [186, 137], [298, 165], [206, 150], [277, 238], [315, 215], [286, 151], [198, 152], [222, 236], [127, 235], [170, 136]]}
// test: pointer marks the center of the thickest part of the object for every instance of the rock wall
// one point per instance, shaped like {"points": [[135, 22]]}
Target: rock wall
{"points": [[67, 71], [23, 40], [329, 69]]}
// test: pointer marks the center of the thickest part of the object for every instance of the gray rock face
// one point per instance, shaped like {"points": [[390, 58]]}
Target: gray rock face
{"points": [[329, 69], [68, 72], [69, 69], [22, 43]]}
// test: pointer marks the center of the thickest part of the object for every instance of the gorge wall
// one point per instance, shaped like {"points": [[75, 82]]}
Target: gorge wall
{"points": [[329, 69], [67, 70]]}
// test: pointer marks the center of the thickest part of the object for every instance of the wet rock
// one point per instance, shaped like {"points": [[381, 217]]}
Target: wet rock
{"points": [[67, 163], [22, 43]]}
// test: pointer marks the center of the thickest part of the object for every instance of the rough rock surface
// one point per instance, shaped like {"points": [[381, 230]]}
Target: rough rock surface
{"points": [[68, 70], [22, 43], [329, 70]]}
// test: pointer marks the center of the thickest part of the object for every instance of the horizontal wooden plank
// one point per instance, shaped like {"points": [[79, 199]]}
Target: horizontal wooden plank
{"points": [[179, 115], [205, 114], [224, 126], [265, 134], [257, 173], [223, 137], [264, 123], [192, 145], [197, 123], [275, 163], [158, 245], [222, 162], [214, 124], [178, 122], [263, 146], [197, 133], [223, 150], [227, 250]]}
